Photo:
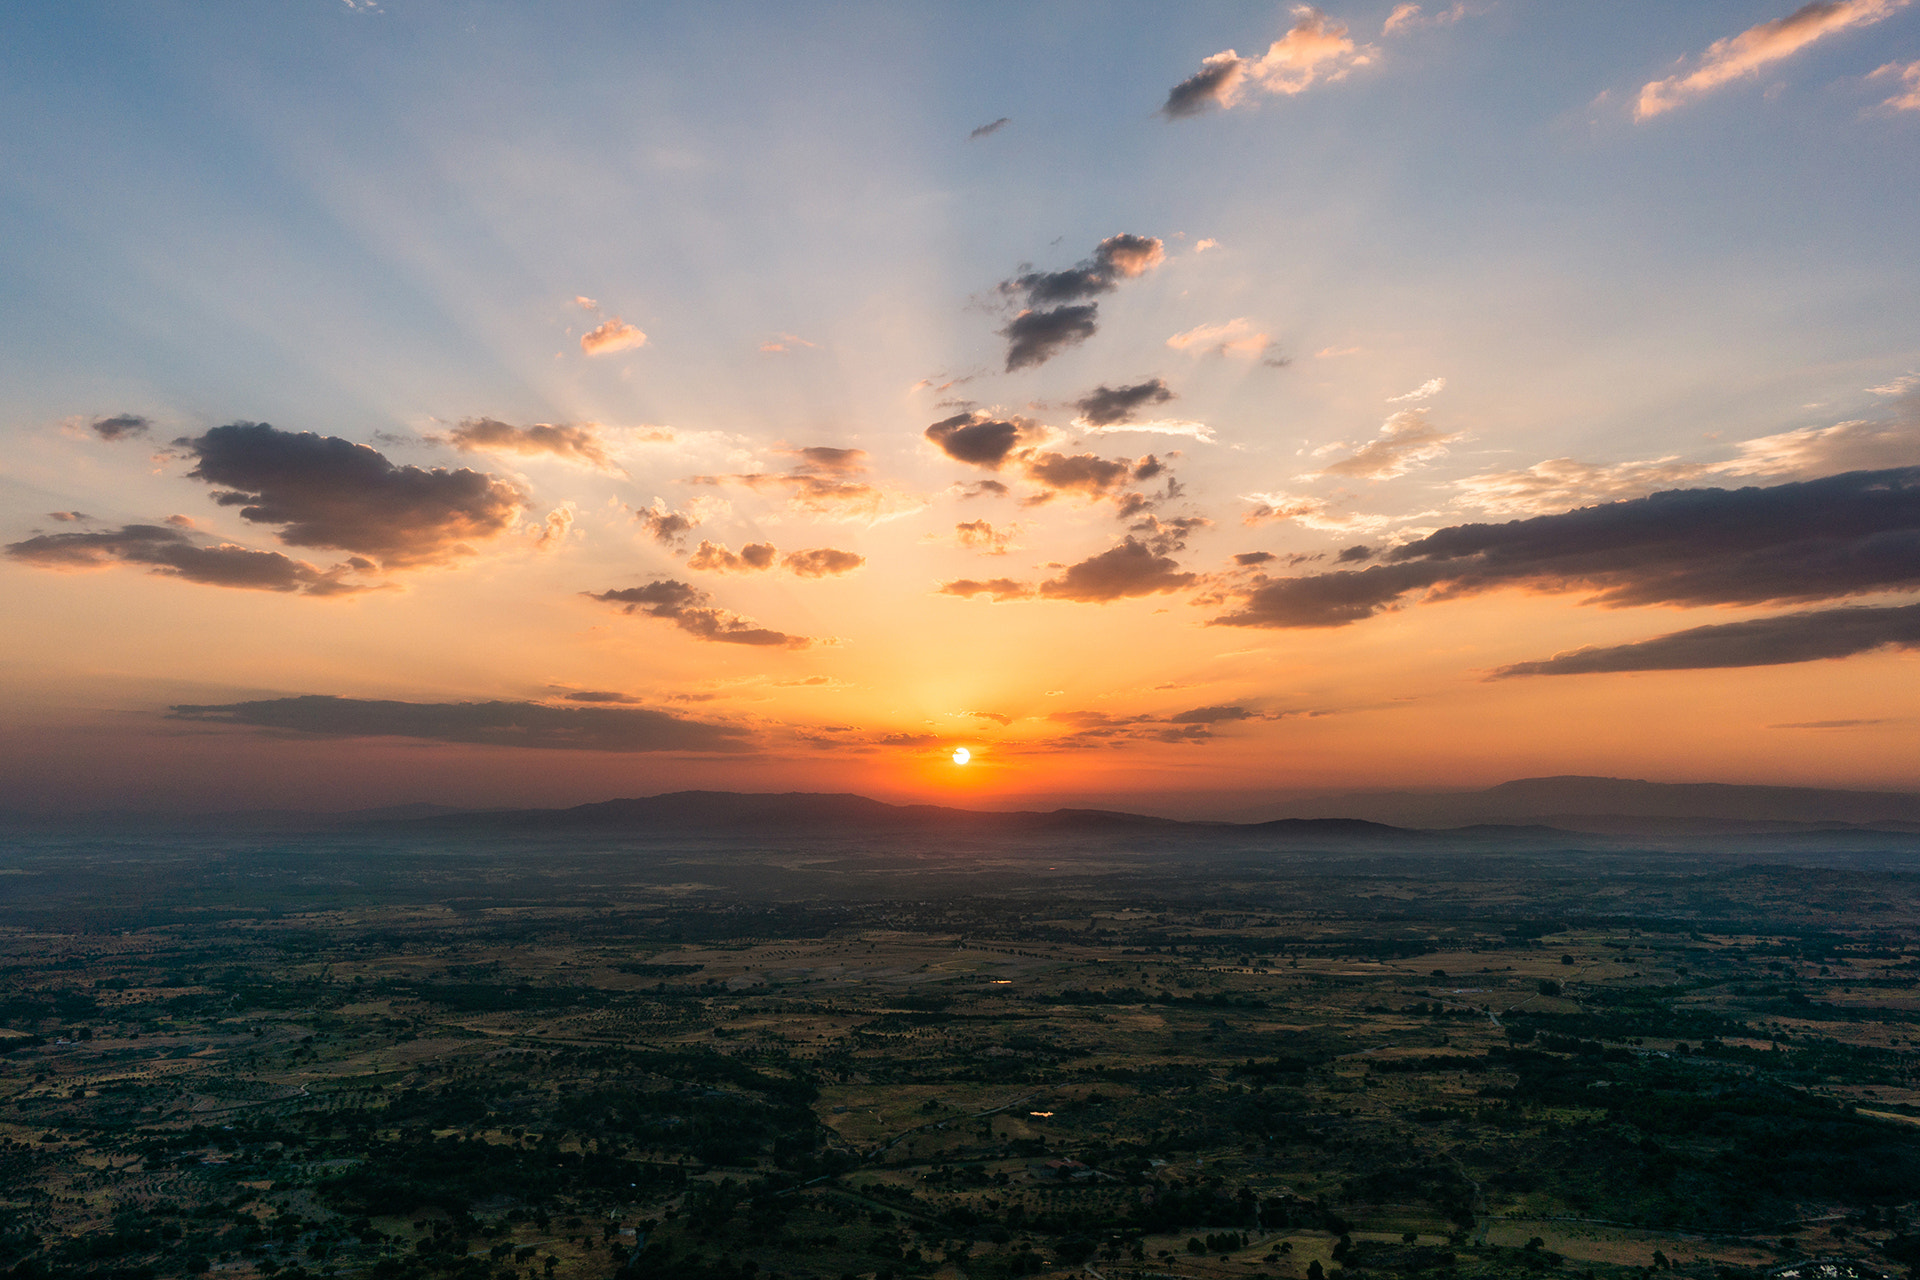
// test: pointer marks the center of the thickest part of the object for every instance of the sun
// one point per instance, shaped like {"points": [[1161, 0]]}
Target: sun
{"points": [[961, 755]]}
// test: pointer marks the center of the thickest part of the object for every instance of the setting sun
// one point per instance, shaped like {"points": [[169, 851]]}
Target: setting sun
{"points": [[961, 755]]}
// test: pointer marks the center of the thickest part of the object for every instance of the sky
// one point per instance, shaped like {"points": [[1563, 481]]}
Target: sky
{"points": [[1172, 406]]}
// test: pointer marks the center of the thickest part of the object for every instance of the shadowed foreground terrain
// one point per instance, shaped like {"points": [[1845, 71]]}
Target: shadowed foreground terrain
{"points": [[430, 1049]]}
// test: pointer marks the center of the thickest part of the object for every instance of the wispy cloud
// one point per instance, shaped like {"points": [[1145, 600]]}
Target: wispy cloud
{"points": [[1906, 98], [691, 609], [579, 443], [1314, 49], [1236, 337], [991, 127], [497, 724], [1759, 642], [1758, 47], [1406, 439]]}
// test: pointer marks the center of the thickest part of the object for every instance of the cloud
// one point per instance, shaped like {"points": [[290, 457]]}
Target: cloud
{"points": [[996, 589], [553, 531], [496, 724], [1822, 539], [598, 695], [1247, 559], [822, 481], [1131, 568], [328, 492], [1213, 715], [983, 440], [1035, 337], [172, 552], [1406, 17], [1314, 49], [758, 557], [1760, 642], [121, 426], [1406, 439], [687, 607], [1562, 483], [665, 525], [1908, 97], [1846, 446], [991, 127], [1431, 387], [585, 303], [610, 336], [570, 443], [982, 489], [821, 562], [68, 517], [979, 535], [1105, 406], [715, 558], [1163, 537], [1043, 328], [1308, 512], [1234, 338], [1085, 474], [1758, 47]]}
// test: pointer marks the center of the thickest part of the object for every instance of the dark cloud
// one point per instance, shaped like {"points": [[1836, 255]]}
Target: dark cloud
{"points": [[819, 459], [715, 558], [172, 552], [597, 695], [994, 588], [120, 426], [1208, 87], [1759, 642], [1104, 405], [981, 439], [1035, 337], [665, 525], [1811, 540], [1354, 554], [68, 517], [687, 607], [328, 492], [1044, 327], [1249, 558], [990, 128], [983, 489], [1164, 537], [497, 724], [821, 562], [1130, 569], [1082, 473], [1214, 715], [573, 443]]}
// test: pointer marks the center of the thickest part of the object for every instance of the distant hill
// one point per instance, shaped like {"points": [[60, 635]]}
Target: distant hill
{"points": [[1625, 805]]}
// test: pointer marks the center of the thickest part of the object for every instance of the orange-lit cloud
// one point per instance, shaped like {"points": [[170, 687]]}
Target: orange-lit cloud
{"points": [[1314, 49], [610, 336], [758, 557], [1406, 439], [1907, 98], [823, 481], [572, 443], [1758, 47], [1236, 337], [1309, 512], [1407, 17], [980, 535]]}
